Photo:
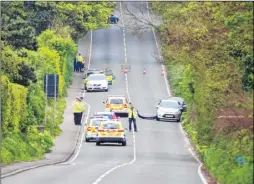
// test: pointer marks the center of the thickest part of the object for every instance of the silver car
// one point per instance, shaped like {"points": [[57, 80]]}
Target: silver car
{"points": [[181, 101], [169, 110]]}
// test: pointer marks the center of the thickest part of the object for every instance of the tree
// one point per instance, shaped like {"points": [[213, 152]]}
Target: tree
{"points": [[16, 30], [40, 14], [26, 74]]}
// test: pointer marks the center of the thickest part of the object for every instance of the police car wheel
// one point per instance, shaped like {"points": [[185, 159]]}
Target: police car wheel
{"points": [[98, 143], [87, 140], [106, 89], [158, 119], [123, 143]]}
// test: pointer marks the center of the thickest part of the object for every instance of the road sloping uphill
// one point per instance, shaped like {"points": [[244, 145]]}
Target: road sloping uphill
{"points": [[161, 154]]}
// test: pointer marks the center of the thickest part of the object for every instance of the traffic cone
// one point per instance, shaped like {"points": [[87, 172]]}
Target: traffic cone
{"points": [[125, 70], [144, 72]]}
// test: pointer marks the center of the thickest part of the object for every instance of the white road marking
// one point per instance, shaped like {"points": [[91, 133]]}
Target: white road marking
{"points": [[134, 139], [82, 136], [169, 94], [89, 107]]}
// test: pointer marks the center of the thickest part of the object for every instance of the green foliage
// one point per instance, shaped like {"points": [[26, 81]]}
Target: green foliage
{"points": [[49, 28], [10, 61], [85, 16], [21, 140], [40, 14], [16, 30], [66, 49], [223, 164], [24, 20], [39, 38], [208, 48], [13, 97], [30, 146]]}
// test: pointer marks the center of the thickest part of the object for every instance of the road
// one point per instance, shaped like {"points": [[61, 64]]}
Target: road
{"points": [[160, 150]]}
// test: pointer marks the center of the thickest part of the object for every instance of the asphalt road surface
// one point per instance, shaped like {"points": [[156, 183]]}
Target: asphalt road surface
{"points": [[161, 153]]}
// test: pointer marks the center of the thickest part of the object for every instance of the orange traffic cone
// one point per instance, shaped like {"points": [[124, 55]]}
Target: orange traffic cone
{"points": [[125, 70], [144, 72]]}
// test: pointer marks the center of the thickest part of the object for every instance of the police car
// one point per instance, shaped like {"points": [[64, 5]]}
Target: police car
{"points": [[111, 132], [92, 127]]}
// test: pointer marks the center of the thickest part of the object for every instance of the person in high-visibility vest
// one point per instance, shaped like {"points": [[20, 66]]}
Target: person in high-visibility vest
{"points": [[78, 109], [83, 62], [79, 60], [132, 115]]}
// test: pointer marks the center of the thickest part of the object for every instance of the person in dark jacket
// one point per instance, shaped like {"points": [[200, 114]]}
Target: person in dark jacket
{"points": [[113, 19], [75, 64]]}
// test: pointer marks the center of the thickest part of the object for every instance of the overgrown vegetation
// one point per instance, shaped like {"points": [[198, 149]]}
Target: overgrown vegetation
{"points": [[208, 49], [38, 38]]}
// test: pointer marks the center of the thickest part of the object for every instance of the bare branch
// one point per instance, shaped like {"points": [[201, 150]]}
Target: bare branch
{"points": [[138, 19]]}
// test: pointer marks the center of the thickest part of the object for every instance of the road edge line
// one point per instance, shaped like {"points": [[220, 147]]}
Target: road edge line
{"points": [[134, 138], [66, 160], [77, 151], [169, 94]]}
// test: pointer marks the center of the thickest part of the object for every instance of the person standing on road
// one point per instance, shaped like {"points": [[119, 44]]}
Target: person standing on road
{"points": [[132, 114], [75, 64], [78, 109], [79, 60], [83, 63]]}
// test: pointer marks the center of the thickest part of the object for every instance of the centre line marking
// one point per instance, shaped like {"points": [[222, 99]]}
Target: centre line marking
{"points": [[127, 91]]}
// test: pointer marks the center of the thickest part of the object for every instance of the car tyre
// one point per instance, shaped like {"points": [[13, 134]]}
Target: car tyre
{"points": [[87, 140], [98, 143], [158, 119], [106, 90], [124, 143]]}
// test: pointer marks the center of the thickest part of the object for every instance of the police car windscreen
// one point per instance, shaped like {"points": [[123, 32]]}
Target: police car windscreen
{"points": [[110, 116], [96, 122], [116, 101], [111, 126]]}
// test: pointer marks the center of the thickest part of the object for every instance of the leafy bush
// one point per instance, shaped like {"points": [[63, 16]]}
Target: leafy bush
{"points": [[50, 30], [223, 164], [207, 47]]}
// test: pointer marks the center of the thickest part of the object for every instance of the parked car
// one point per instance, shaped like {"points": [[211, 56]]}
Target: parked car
{"points": [[170, 109], [181, 101]]}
